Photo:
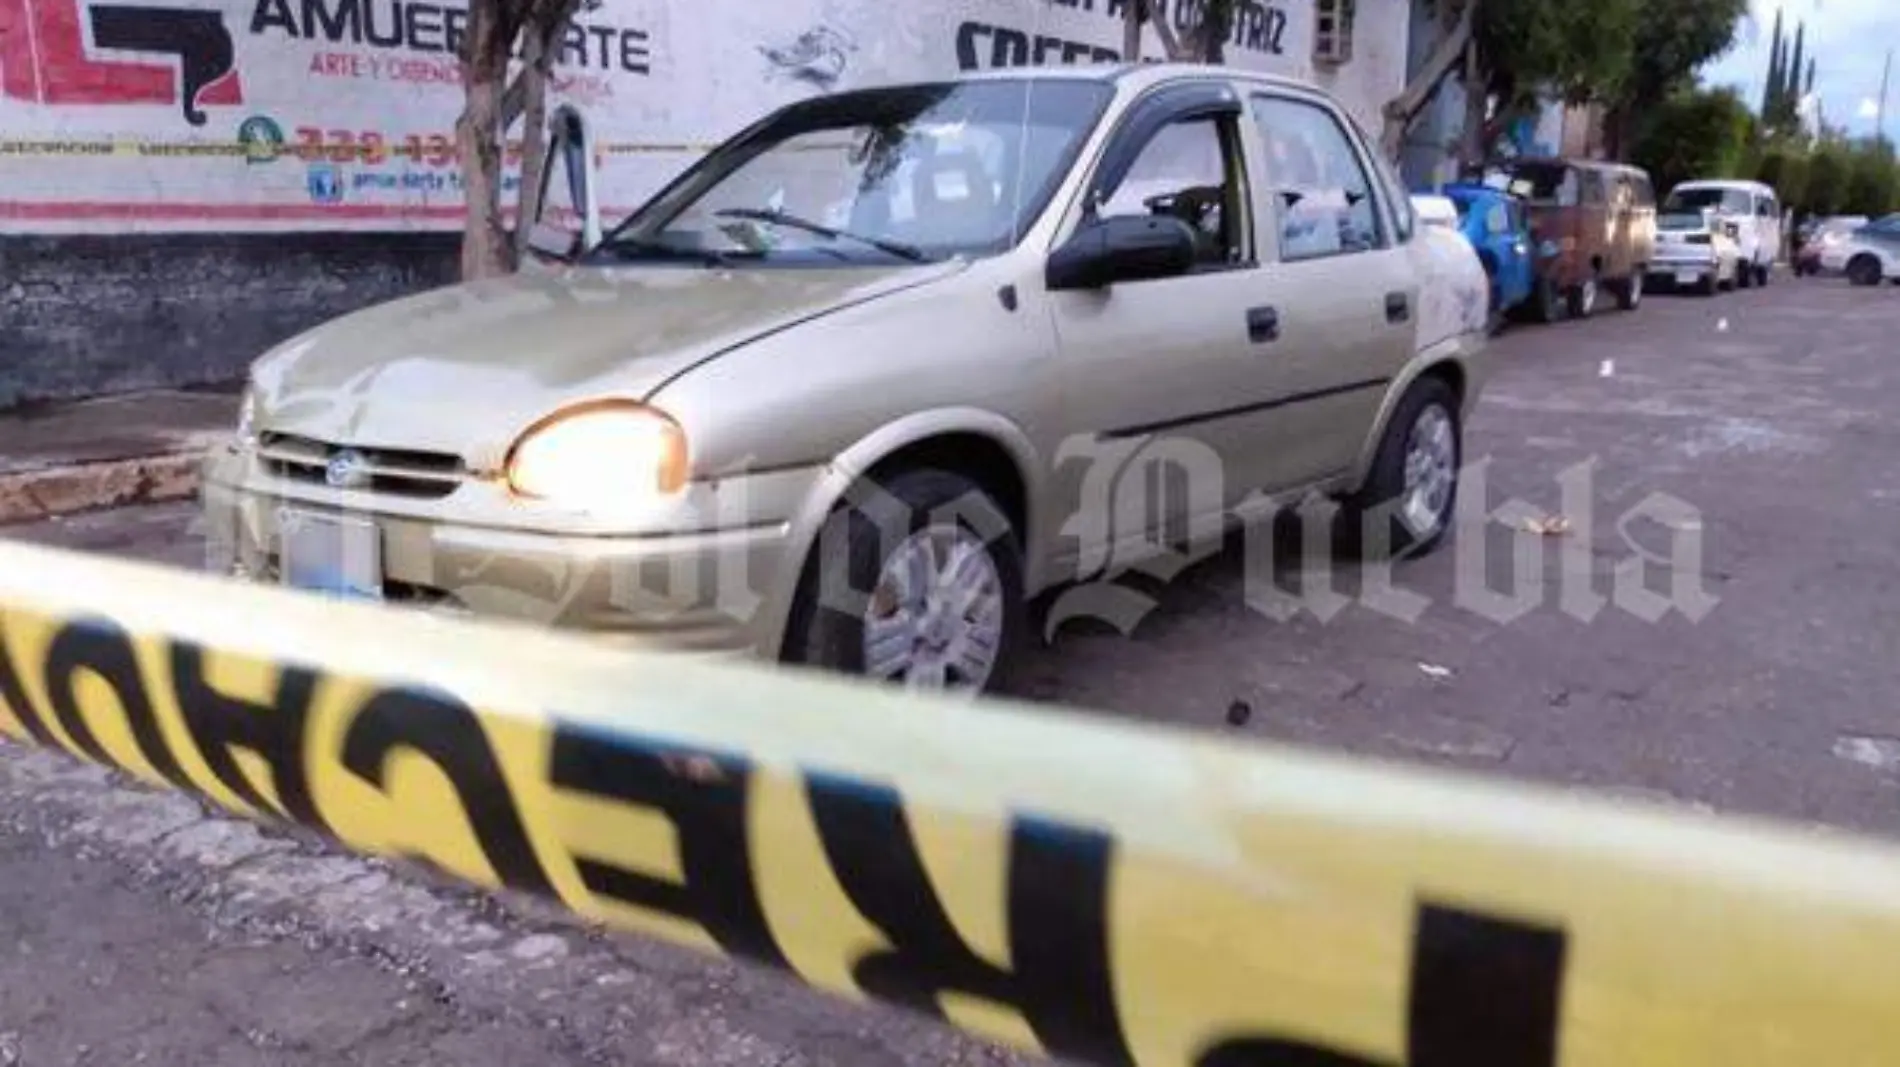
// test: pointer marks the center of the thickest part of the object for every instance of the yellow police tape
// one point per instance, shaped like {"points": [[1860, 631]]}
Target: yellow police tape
{"points": [[1101, 890]]}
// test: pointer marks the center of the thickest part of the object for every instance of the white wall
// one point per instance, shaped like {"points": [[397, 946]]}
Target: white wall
{"points": [[191, 117]]}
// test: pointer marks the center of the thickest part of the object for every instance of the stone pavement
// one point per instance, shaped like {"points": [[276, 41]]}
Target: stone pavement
{"points": [[1772, 412], [58, 459]]}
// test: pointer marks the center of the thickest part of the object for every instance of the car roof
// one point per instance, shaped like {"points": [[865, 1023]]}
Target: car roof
{"points": [[1135, 75], [1723, 183]]}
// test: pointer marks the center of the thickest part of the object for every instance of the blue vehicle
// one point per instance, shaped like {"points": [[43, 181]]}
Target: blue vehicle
{"points": [[1496, 225]]}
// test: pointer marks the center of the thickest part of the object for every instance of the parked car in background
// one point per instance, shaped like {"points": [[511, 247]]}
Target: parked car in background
{"points": [[824, 389], [1696, 250], [1498, 228], [1868, 254], [1818, 235], [1753, 207], [1593, 227]]}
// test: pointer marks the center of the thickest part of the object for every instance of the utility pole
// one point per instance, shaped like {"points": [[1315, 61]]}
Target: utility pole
{"points": [[1880, 109]]}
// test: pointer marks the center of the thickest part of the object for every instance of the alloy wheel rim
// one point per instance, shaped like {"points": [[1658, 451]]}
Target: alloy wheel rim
{"points": [[934, 621], [1431, 472]]}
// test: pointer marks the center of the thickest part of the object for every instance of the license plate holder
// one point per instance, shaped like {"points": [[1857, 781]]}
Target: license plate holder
{"points": [[1688, 277], [337, 555]]}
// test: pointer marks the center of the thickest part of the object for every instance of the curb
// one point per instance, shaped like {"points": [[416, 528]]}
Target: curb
{"points": [[28, 496]]}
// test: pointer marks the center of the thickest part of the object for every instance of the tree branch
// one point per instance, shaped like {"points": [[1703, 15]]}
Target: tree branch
{"points": [[1170, 42]]}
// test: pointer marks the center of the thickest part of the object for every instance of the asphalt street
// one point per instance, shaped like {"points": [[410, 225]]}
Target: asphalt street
{"points": [[1676, 582]]}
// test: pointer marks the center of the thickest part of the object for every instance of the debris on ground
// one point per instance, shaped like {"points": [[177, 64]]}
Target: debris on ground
{"points": [[1434, 670], [1547, 525]]}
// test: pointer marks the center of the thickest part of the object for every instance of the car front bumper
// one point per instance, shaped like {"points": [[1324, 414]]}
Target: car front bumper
{"points": [[716, 588]]}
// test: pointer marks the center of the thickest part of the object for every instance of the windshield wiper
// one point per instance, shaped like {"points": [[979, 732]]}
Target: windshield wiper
{"points": [[780, 218], [634, 247]]}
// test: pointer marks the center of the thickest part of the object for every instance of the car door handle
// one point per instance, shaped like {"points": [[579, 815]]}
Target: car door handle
{"points": [[1398, 307], [1263, 325]]}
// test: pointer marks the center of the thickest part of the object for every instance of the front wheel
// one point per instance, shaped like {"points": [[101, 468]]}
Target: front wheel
{"points": [[1411, 492], [1583, 299], [1864, 270], [920, 584]]}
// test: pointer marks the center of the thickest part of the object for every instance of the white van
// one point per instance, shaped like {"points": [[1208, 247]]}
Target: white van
{"points": [[1753, 208]]}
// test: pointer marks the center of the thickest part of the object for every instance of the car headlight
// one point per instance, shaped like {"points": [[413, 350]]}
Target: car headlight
{"points": [[599, 456], [247, 418]]}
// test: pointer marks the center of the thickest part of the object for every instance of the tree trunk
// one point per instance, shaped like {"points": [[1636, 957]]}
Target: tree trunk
{"points": [[485, 247], [1404, 109], [1475, 144], [537, 57]]}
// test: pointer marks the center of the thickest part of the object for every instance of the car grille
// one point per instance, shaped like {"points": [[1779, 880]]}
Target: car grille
{"points": [[400, 472]]}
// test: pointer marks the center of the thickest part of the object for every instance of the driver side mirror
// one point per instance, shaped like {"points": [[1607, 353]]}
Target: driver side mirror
{"points": [[1122, 248]]}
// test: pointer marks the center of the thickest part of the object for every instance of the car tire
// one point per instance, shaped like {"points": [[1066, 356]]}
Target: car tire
{"points": [[1546, 302], [1629, 292], [846, 579], [1863, 270], [1583, 298], [1428, 405]]}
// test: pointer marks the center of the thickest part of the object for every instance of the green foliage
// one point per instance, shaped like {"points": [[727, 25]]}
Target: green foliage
{"points": [[1786, 166], [1829, 167], [1672, 40], [1580, 51], [1694, 133], [1873, 184]]}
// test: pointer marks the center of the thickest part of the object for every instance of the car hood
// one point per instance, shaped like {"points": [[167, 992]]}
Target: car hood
{"points": [[462, 369]]}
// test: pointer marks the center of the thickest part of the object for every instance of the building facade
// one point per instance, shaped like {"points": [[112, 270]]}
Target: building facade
{"points": [[189, 182]]}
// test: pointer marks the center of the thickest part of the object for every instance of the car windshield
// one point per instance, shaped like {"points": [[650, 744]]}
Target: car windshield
{"points": [[1729, 201], [916, 172]]}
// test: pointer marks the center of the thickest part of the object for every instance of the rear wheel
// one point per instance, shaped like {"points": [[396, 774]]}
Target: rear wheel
{"points": [[1546, 302], [1864, 270], [1629, 292], [921, 585]]}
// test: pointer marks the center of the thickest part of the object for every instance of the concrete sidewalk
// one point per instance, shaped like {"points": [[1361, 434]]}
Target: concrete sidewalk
{"points": [[58, 459]]}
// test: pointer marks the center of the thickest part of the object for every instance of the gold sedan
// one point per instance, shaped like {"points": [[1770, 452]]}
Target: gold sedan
{"points": [[866, 378]]}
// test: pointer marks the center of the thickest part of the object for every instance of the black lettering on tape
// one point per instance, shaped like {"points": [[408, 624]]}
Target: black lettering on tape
{"points": [[443, 730], [704, 795], [274, 731], [1057, 924], [1485, 992], [14, 694], [104, 650]]}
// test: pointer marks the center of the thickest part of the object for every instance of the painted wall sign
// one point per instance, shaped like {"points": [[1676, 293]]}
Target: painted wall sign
{"points": [[338, 114]]}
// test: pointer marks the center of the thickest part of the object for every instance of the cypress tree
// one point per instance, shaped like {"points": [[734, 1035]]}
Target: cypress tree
{"points": [[1777, 76], [1791, 97]]}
